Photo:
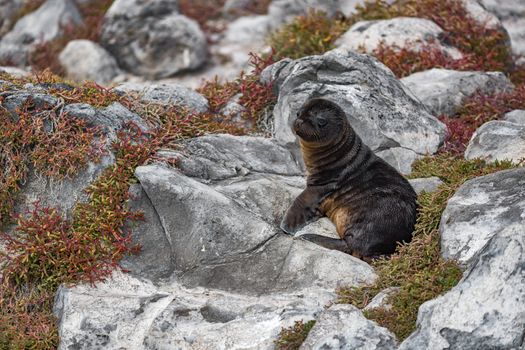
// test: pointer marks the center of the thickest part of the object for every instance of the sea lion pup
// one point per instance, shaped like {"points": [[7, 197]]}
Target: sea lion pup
{"points": [[372, 206]]}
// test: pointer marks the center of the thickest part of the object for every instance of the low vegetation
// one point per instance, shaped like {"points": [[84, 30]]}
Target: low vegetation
{"points": [[291, 338]]}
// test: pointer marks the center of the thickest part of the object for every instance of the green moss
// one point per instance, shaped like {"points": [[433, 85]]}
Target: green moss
{"points": [[418, 268], [291, 338], [311, 34]]}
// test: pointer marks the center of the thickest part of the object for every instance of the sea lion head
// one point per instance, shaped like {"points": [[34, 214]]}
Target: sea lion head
{"points": [[319, 121]]}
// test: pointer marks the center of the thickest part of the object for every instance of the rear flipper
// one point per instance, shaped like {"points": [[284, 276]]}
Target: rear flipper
{"points": [[327, 242]]}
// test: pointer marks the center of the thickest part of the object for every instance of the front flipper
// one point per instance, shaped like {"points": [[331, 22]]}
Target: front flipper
{"points": [[327, 242], [303, 210]]}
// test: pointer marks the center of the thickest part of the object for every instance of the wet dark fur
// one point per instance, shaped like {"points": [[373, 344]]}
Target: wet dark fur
{"points": [[371, 204]]}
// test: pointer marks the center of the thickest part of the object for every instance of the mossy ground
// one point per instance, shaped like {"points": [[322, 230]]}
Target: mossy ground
{"points": [[291, 338]]}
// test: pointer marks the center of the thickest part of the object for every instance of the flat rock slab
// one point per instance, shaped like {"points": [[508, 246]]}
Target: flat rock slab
{"points": [[442, 91], [344, 327], [399, 33], [498, 140], [128, 313], [479, 210], [381, 110], [86, 60], [486, 309], [216, 241]]}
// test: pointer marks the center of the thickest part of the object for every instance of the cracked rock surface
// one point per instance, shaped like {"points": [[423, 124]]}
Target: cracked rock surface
{"points": [[381, 110], [480, 209]]}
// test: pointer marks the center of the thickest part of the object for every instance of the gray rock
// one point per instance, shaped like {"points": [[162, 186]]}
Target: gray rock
{"points": [[345, 327], [517, 116], [86, 60], [218, 157], [515, 26], [45, 24], [381, 299], [233, 109], [64, 194], [216, 243], [399, 32], [479, 210], [125, 312], [110, 118], [247, 30], [167, 94], [9, 10], [281, 11], [152, 39], [498, 140], [255, 194], [16, 100], [486, 309], [429, 184], [381, 110], [400, 158], [442, 91]]}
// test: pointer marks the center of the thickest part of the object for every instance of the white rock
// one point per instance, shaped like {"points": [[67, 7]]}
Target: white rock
{"points": [[517, 116], [498, 140], [443, 90], [400, 32], [486, 309], [125, 312], [9, 10], [281, 11], [381, 299], [86, 60], [344, 327], [479, 210], [429, 184], [400, 158]]}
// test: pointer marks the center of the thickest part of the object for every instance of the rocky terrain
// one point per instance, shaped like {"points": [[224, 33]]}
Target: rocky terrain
{"points": [[146, 170]]}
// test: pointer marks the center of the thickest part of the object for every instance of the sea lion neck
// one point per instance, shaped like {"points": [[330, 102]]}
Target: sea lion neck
{"points": [[324, 162]]}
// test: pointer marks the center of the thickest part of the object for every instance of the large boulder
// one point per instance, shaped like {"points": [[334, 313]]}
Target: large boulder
{"points": [[398, 32], [442, 91], [344, 327], [479, 210], [381, 110], [151, 39], [46, 23], [486, 309], [86, 60], [282, 11], [498, 140]]}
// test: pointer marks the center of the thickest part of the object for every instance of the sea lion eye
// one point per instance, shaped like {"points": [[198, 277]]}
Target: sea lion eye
{"points": [[321, 121]]}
